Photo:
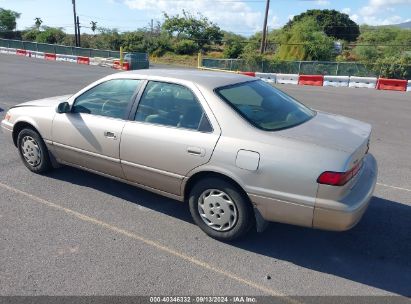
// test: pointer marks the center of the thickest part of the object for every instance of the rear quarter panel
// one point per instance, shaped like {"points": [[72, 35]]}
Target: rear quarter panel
{"points": [[288, 170]]}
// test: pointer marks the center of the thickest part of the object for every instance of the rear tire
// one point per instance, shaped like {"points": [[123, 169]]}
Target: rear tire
{"points": [[220, 209], [33, 151]]}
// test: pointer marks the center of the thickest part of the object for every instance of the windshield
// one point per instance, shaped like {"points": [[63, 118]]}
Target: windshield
{"points": [[265, 106]]}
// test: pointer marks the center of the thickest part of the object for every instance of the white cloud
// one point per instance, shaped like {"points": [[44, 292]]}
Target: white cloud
{"points": [[376, 6], [371, 13], [372, 20], [322, 2], [355, 17], [346, 10], [234, 16]]}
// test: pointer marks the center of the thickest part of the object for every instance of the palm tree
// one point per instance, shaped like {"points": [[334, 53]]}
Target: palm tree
{"points": [[38, 22], [93, 25]]}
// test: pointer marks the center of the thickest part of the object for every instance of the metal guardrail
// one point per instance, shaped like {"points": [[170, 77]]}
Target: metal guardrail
{"points": [[295, 67]]}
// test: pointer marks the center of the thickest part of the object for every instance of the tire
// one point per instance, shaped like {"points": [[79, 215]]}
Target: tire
{"points": [[220, 209], [33, 151]]}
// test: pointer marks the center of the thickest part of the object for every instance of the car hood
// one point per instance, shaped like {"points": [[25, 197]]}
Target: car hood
{"points": [[331, 131], [45, 102]]}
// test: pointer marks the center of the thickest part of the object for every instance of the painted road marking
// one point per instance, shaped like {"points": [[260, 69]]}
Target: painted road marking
{"points": [[394, 187], [152, 243]]}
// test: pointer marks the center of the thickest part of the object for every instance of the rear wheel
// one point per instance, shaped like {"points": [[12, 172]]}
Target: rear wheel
{"points": [[33, 151], [220, 209]]}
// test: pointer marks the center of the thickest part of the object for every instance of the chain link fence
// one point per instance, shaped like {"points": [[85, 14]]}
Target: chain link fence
{"points": [[301, 67], [135, 60], [65, 50]]}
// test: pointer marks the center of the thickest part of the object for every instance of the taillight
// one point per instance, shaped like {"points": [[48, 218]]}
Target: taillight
{"points": [[7, 117], [338, 178]]}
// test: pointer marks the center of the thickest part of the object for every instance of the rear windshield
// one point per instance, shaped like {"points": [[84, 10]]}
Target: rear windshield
{"points": [[265, 106]]}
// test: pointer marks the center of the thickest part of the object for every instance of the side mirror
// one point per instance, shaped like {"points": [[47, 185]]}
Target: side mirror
{"points": [[63, 107]]}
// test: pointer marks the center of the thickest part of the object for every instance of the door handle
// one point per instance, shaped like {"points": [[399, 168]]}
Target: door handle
{"points": [[110, 135], [196, 151]]}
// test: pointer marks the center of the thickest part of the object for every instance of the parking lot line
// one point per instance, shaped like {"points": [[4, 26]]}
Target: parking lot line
{"points": [[394, 187], [152, 243]]}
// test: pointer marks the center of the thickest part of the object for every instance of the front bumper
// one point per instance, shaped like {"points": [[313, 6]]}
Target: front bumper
{"points": [[7, 129], [345, 214]]}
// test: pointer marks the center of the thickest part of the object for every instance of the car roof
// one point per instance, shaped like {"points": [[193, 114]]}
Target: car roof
{"points": [[207, 79]]}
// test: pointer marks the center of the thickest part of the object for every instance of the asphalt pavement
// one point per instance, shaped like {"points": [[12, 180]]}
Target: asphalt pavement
{"points": [[70, 232]]}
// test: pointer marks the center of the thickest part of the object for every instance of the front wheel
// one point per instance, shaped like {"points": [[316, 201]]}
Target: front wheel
{"points": [[33, 151], [220, 209]]}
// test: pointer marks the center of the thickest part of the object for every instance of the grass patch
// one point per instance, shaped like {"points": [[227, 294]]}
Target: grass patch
{"points": [[182, 60], [173, 59]]}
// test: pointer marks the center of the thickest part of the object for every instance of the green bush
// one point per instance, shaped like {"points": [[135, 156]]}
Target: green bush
{"points": [[377, 43], [51, 35], [396, 68], [305, 41], [30, 35], [233, 48], [142, 41], [185, 47]]}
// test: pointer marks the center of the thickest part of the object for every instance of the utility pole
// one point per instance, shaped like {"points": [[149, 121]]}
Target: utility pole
{"points": [[152, 26], [78, 31], [267, 7], [75, 21]]}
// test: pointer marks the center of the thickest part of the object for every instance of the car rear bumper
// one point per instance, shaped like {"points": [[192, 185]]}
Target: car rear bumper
{"points": [[345, 214]]}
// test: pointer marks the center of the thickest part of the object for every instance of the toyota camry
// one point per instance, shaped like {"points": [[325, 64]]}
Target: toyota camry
{"points": [[239, 151]]}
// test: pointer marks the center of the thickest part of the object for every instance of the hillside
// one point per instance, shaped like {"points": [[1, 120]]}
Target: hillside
{"points": [[405, 25]]}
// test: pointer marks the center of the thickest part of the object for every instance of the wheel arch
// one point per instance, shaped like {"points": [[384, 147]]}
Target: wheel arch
{"points": [[261, 224], [193, 179], [20, 125]]}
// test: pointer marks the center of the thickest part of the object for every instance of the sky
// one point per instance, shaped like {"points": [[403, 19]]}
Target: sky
{"points": [[240, 16]]}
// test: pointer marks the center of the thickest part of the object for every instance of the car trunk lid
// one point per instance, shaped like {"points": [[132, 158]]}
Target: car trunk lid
{"points": [[332, 131]]}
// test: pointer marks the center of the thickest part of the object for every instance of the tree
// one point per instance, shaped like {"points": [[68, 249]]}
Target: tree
{"points": [[107, 39], [144, 40], [366, 52], [382, 42], [93, 25], [52, 35], [8, 20], [202, 31], [137, 41], [30, 34], [233, 48], [332, 22], [253, 43], [38, 22], [305, 40], [185, 47]]}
